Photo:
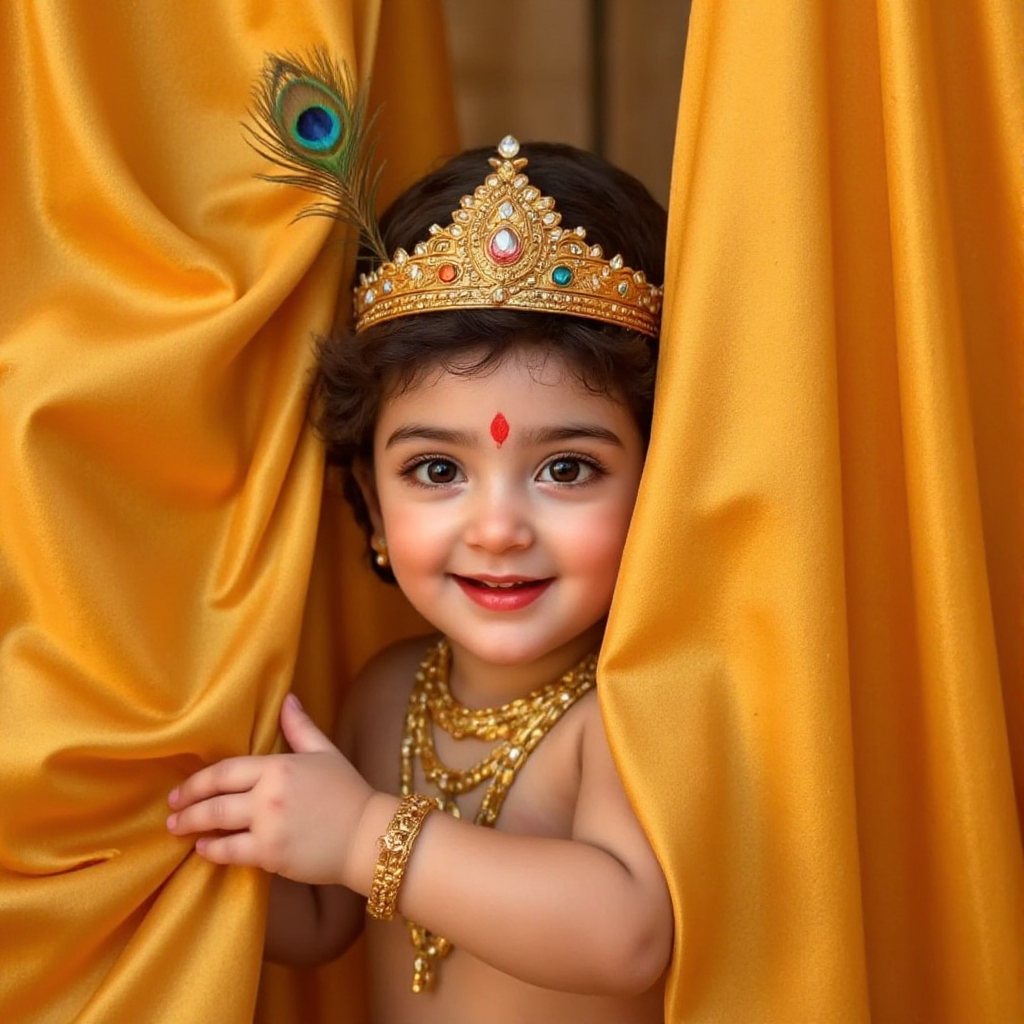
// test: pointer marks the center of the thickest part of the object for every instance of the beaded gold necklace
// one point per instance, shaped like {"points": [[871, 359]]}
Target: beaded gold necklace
{"points": [[516, 728]]}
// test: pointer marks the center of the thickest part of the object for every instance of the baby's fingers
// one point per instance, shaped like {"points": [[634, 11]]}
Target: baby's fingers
{"points": [[229, 813], [235, 775], [240, 848]]}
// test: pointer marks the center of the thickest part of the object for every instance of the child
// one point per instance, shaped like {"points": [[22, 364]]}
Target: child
{"points": [[490, 414]]}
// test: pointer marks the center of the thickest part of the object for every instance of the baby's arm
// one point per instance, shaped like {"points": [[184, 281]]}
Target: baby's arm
{"points": [[591, 914], [309, 925]]}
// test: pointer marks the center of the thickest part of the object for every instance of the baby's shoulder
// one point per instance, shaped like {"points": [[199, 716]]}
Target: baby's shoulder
{"points": [[396, 662], [380, 692]]}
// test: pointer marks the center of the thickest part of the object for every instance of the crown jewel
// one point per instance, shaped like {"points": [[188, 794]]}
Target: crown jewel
{"points": [[505, 248]]}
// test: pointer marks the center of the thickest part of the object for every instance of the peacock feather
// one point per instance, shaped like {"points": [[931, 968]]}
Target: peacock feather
{"points": [[312, 120]]}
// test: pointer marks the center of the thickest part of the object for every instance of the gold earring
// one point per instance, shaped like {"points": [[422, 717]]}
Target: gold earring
{"points": [[380, 546]]}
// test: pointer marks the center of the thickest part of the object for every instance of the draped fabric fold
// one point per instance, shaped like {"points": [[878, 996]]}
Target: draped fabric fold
{"points": [[814, 673], [160, 490]]}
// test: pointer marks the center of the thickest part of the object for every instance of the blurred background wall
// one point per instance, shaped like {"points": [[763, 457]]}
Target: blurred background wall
{"points": [[600, 74]]}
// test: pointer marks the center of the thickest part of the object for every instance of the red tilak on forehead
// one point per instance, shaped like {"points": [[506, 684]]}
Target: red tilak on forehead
{"points": [[499, 429]]}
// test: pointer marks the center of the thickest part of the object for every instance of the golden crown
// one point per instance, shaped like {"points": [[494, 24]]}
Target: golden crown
{"points": [[505, 249]]}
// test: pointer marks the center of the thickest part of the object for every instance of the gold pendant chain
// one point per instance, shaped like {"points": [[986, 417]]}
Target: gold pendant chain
{"points": [[516, 727]]}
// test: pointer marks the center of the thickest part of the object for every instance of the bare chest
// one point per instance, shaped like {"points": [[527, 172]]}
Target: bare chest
{"points": [[540, 801], [468, 991], [540, 797]]}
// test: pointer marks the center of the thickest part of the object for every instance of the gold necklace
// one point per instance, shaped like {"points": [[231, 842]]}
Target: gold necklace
{"points": [[516, 727]]}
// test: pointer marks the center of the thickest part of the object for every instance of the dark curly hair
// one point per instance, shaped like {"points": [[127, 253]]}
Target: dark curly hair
{"points": [[356, 373]]}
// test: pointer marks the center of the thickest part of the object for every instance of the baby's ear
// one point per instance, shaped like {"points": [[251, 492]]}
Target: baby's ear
{"points": [[362, 473]]}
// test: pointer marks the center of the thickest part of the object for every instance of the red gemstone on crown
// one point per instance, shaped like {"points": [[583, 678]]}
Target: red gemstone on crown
{"points": [[505, 247], [447, 272]]}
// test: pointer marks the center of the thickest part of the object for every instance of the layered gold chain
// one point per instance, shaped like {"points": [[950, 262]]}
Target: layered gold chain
{"points": [[516, 728]]}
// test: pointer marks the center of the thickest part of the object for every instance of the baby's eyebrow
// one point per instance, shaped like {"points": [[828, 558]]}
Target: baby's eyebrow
{"points": [[423, 432], [526, 437], [569, 432]]}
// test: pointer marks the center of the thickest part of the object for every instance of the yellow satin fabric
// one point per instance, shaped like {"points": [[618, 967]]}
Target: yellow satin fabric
{"points": [[160, 490], [814, 674]]}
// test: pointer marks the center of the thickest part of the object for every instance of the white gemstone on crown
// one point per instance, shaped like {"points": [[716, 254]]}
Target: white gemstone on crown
{"points": [[415, 272], [505, 241], [508, 147], [615, 262], [386, 287], [506, 210]]}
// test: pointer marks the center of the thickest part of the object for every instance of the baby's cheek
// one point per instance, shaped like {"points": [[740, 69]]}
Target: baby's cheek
{"points": [[597, 548], [419, 543]]}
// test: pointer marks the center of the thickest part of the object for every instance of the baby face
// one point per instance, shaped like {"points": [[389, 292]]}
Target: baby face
{"points": [[505, 497]]}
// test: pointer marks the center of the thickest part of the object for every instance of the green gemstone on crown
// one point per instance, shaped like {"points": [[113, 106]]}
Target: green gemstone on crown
{"points": [[562, 276]]}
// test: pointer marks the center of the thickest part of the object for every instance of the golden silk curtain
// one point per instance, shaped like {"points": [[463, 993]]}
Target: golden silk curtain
{"points": [[814, 674], [160, 489]]}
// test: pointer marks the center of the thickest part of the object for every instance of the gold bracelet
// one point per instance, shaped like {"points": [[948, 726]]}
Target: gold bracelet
{"points": [[395, 847]]}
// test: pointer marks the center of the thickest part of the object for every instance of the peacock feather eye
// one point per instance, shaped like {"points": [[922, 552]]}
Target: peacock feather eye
{"points": [[318, 127], [312, 120], [314, 116]]}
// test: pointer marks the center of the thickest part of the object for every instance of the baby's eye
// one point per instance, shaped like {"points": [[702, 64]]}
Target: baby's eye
{"points": [[436, 471], [567, 471]]}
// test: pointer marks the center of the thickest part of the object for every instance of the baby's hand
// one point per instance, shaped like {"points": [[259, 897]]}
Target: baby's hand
{"points": [[293, 814]]}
